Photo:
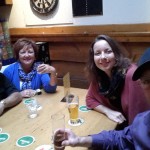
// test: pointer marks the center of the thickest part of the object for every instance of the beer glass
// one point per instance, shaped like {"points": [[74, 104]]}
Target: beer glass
{"points": [[73, 104], [58, 122]]}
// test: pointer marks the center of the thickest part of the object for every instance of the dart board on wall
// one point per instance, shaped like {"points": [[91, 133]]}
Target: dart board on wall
{"points": [[43, 6]]}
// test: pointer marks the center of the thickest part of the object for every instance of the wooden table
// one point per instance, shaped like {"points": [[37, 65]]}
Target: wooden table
{"points": [[17, 124]]}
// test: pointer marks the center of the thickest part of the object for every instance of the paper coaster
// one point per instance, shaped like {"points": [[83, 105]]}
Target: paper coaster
{"points": [[25, 141], [83, 108], [4, 137], [28, 101], [77, 123], [44, 147], [31, 100], [0, 130]]}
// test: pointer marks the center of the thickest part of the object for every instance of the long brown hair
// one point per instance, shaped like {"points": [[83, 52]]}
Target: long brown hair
{"points": [[92, 72]]}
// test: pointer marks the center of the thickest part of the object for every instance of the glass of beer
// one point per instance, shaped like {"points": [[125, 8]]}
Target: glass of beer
{"points": [[73, 104]]}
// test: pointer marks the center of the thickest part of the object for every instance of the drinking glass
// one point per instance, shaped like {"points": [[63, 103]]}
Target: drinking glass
{"points": [[73, 104], [34, 101], [38, 64], [32, 108], [58, 122]]}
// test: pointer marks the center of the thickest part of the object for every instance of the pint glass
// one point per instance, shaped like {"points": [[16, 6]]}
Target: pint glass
{"points": [[73, 104]]}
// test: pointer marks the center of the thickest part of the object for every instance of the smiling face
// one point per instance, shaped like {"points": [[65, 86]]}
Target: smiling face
{"points": [[27, 56], [104, 57]]}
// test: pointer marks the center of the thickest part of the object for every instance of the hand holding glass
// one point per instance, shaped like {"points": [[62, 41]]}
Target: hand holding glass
{"points": [[58, 122], [39, 67]]}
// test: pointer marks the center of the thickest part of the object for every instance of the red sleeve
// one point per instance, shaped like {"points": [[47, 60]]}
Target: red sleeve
{"points": [[133, 99], [94, 98]]}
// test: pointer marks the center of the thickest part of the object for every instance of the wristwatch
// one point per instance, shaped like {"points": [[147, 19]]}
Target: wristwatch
{"points": [[38, 92], [3, 102]]}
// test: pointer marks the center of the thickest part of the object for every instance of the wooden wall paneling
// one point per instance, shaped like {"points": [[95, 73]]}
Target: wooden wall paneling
{"points": [[69, 51], [70, 57], [75, 83], [69, 45], [136, 49], [76, 70]]}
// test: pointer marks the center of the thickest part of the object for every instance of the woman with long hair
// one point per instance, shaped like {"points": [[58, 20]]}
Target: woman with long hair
{"points": [[112, 91]]}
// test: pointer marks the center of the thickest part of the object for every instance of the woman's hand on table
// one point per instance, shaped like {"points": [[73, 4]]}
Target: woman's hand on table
{"points": [[116, 116], [111, 114], [28, 93]]}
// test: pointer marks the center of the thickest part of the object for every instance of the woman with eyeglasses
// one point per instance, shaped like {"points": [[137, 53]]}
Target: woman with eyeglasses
{"points": [[27, 74]]}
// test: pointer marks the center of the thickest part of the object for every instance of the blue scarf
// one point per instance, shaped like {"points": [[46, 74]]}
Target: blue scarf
{"points": [[27, 78]]}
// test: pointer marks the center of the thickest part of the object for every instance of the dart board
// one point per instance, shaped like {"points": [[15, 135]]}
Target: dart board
{"points": [[43, 6]]}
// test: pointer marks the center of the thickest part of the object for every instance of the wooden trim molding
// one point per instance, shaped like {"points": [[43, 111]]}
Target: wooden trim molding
{"points": [[123, 33], [9, 2], [6, 2]]}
